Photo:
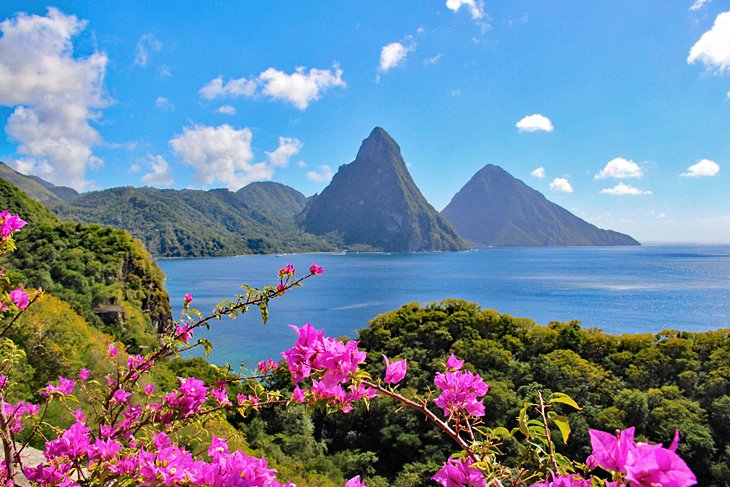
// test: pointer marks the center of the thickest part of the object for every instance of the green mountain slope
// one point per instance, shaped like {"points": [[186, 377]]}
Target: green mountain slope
{"points": [[495, 209], [373, 202], [35, 187], [191, 223]]}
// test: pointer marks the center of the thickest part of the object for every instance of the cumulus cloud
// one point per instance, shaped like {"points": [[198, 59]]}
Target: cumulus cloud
{"points": [[394, 54], [288, 148], [698, 4], [299, 88], [160, 174], [535, 123], [146, 44], [705, 167], [475, 7], [224, 155], [561, 185], [538, 173], [322, 176], [620, 168], [227, 110], [713, 48], [54, 96], [622, 189]]}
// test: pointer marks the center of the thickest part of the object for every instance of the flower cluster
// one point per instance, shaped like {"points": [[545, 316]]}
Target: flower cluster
{"points": [[9, 223], [460, 390], [460, 473], [332, 361], [642, 464]]}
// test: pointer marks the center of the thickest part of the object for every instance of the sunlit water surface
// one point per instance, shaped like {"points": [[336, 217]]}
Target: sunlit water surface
{"points": [[618, 289]]}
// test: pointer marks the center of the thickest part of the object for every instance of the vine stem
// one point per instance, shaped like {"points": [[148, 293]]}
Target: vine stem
{"points": [[430, 415], [548, 434]]}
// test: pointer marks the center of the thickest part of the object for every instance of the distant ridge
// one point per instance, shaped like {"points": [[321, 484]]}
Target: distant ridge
{"points": [[374, 204], [496, 209], [35, 187]]}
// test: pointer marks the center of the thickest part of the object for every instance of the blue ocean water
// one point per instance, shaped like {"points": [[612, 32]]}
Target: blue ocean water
{"points": [[618, 289]]}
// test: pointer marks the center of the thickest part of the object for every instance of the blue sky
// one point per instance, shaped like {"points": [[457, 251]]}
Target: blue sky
{"points": [[624, 105]]}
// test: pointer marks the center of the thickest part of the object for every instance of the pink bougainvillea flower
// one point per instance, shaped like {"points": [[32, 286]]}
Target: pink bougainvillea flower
{"points": [[188, 298], [298, 395], [355, 482], [652, 465], [19, 298], [315, 269], [461, 392], [454, 363], [112, 350], [120, 395], [564, 481], [395, 371], [286, 271], [10, 223], [149, 389], [83, 374], [610, 451], [459, 473]]}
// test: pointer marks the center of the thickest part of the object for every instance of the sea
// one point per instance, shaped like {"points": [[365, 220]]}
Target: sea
{"points": [[617, 289]]}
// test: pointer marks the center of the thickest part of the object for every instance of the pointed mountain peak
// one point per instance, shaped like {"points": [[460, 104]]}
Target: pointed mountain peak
{"points": [[496, 209], [373, 203], [379, 146]]}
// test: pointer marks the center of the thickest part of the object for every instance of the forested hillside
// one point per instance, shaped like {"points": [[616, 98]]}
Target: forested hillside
{"points": [[89, 267], [654, 382]]}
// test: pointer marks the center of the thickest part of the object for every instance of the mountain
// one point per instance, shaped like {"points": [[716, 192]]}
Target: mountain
{"points": [[271, 196], [496, 209], [35, 187], [374, 204], [193, 223]]}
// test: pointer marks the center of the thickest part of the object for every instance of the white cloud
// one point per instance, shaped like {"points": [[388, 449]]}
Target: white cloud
{"points": [[323, 176], [227, 110], [163, 103], [299, 88], [219, 155], [620, 168], [145, 45], [538, 173], [433, 60], [288, 148], [160, 175], [234, 88], [54, 95], [698, 4], [622, 189], [561, 185], [134, 168], [535, 123], [705, 167], [713, 48], [475, 7], [394, 54]]}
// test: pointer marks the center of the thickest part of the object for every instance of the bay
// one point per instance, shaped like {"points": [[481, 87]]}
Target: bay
{"points": [[618, 289]]}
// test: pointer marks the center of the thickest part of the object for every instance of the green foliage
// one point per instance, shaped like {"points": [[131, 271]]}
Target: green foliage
{"points": [[58, 342], [189, 223], [656, 383]]}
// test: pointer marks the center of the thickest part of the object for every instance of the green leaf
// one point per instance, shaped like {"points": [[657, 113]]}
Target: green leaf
{"points": [[501, 431], [264, 313], [563, 399], [207, 346], [562, 423], [522, 420]]}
